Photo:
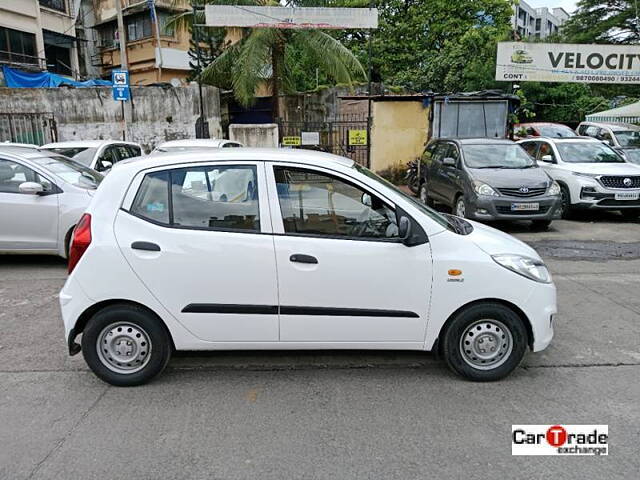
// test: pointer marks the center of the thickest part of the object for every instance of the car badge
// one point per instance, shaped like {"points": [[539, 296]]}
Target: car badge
{"points": [[524, 190], [627, 182]]}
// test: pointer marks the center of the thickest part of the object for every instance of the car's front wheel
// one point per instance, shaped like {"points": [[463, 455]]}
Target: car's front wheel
{"points": [[126, 345], [485, 342], [460, 209]]}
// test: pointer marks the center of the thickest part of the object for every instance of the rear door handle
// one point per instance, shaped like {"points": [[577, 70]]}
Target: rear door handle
{"points": [[148, 246], [301, 258]]}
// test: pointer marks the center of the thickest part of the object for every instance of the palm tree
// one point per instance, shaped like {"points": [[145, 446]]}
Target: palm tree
{"points": [[265, 55]]}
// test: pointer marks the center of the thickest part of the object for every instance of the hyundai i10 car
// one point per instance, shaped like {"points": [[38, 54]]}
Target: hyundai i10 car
{"points": [[240, 248]]}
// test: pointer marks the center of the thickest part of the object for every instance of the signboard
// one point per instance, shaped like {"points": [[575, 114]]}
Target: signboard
{"points": [[562, 62], [289, 17], [310, 138], [120, 80], [291, 141], [357, 137]]}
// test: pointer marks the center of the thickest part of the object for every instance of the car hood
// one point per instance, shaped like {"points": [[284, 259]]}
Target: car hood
{"points": [[511, 177], [604, 168], [495, 242]]}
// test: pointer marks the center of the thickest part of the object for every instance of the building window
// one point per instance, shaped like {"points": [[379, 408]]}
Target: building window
{"points": [[538, 24], [108, 34], [17, 47], [138, 27], [60, 5]]}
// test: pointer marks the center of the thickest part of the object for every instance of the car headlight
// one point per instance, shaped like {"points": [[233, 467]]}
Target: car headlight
{"points": [[554, 188], [483, 189], [528, 267]]}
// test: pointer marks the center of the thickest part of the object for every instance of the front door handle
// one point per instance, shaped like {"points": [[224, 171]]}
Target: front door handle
{"points": [[148, 246], [301, 258]]}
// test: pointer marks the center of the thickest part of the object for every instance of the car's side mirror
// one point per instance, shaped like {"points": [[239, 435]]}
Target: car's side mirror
{"points": [[547, 159], [366, 199], [450, 162], [106, 164], [31, 188], [404, 229]]}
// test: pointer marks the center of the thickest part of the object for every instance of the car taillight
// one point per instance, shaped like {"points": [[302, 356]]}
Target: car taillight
{"points": [[81, 241]]}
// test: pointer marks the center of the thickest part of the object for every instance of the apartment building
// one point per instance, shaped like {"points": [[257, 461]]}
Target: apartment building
{"points": [[529, 22], [39, 35], [148, 62]]}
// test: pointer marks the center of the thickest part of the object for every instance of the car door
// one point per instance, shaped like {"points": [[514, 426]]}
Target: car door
{"points": [[27, 221], [453, 174], [204, 249], [437, 176], [344, 278]]}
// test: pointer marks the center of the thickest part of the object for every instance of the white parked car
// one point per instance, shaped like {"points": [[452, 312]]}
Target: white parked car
{"points": [[590, 174], [316, 253], [99, 155], [191, 144], [42, 196]]}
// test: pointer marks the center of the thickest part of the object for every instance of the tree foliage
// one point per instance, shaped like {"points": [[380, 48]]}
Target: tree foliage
{"points": [[604, 21]]}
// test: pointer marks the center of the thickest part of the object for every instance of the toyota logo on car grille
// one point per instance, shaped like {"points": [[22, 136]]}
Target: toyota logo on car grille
{"points": [[523, 189], [627, 182]]}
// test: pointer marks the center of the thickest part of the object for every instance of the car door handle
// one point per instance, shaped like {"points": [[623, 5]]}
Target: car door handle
{"points": [[148, 246], [300, 258]]}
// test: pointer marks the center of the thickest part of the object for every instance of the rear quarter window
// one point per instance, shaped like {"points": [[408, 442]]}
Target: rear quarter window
{"points": [[152, 200]]}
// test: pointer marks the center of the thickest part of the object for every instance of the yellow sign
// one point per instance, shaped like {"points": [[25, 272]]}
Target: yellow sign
{"points": [[357, 137], [291, 141]]}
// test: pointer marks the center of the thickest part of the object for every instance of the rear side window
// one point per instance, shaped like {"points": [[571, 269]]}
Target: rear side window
{"points": [[211, 197], [134, 151], [152, 199]]}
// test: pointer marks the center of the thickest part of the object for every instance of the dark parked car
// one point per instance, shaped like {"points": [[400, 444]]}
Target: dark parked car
{"points": [[488, 179]]}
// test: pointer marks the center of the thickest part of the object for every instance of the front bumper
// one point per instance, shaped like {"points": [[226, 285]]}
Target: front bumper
{"points": [[605, 199], [486, 208], [541, 310]]}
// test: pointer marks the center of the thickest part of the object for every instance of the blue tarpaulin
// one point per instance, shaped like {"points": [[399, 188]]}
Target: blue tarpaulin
{"points": [[18, 79]]}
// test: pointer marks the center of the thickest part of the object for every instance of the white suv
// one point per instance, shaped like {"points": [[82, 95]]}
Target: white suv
{"points": [[290, 249], [590, 173]]}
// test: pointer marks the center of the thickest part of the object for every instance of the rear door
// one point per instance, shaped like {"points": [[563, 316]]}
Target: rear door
{"points": [[199, 238], [27, 222]]}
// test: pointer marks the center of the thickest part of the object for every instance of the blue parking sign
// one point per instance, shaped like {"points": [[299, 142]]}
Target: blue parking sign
{"points": [[120, 81]]}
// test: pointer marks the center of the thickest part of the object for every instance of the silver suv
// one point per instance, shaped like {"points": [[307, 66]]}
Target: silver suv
{"points": [[623, 137]]}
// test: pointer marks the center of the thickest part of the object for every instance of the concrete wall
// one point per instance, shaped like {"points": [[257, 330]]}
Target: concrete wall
{"points": [[257, 135], [398, 133], [155, 114]]}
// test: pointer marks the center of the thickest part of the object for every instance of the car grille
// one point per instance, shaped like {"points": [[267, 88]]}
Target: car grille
{"points": [[611, 181], [507, 209], [515, 192]]}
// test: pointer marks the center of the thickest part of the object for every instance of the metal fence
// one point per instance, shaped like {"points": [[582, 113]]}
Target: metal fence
{"points": [[345, 135], [35, 128]]}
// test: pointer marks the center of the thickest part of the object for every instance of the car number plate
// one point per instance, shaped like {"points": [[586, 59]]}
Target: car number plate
{"points": [[628, 196], [525, 206]]}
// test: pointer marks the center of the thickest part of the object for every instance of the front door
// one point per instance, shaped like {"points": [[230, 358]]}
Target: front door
{"points": [[199, 240], [27, 222], [343, 274]]}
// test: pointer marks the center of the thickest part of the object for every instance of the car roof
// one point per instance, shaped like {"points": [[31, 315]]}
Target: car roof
{"points": [[616, 127], [541, 124], [195, 142], [26, 153], [478, 141], [307, 157], [561, 139], [86, 144]]}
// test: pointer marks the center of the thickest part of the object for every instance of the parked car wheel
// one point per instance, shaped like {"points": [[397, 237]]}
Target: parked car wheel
{"points": [[460, 208], [631, 213], [540, 224], [126, 345], [485, 342], [424, 195], [565, 205]]}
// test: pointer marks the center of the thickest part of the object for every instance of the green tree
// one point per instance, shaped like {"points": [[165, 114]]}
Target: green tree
{"points": [[608, 21]]}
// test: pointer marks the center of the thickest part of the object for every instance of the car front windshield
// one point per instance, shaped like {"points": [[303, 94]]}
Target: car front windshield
{"points": [[496, 156], [632, 155], [557, 131], [587, 152], [83, 155], [628, 138], [435, 216], [70, 171]]}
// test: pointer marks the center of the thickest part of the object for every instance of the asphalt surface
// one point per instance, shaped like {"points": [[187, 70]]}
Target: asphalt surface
{"points": [[330, 415]]}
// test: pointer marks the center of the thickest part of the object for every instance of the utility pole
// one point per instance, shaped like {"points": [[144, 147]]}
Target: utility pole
{"points": [[122, 41], [154, 17], [195, 35]]}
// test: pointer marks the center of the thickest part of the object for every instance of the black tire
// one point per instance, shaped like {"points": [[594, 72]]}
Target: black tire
{"points": [[631, 213], [158, 348], [540, 225], [484, 315], [423, 195], [566, 211]]}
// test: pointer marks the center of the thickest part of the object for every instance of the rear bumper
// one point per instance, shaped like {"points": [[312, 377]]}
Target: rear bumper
{"points": [[73, 302], [500, 208]]}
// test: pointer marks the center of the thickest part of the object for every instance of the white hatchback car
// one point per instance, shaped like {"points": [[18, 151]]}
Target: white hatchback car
{"points": [[591, 174], [99, 155], [316, 252], [42, 196]]}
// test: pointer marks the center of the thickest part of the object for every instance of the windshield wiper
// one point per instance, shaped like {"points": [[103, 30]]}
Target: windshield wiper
{"points": [[495, 166]]}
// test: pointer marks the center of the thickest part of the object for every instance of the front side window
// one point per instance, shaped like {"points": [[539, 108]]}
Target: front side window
{"points": [[210, 197], [531, 148], [546, 152], [316, 203], [13, 174]]}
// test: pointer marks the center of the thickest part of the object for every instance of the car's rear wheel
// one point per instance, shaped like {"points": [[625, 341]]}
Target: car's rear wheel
{"points": [[485, 342], [125, 345]]}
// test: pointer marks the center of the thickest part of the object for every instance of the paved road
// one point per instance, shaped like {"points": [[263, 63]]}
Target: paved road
{"points": [[329, 415]]}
